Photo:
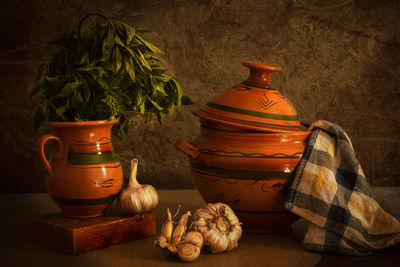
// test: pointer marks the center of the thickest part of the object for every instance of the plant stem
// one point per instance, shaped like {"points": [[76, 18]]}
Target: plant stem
{"points": [[78, 32]]}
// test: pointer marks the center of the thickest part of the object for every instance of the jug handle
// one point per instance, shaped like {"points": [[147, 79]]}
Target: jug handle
{"points": [[42, 140], [187, 148]]}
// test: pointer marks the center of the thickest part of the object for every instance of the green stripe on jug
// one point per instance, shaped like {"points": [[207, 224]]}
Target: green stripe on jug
{"points": [[241, 174], [86, 201], [259, 85], [92, 158], [253, 113]]}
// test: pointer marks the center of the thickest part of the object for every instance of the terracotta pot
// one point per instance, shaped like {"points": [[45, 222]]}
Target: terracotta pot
{"points": [[247, 171], [252, 105], [250, 144], [85, 175]]}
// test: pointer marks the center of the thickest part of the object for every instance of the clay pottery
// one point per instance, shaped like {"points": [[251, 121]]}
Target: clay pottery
{"points": [[85, 175], [252, 105], [247, 171], [250, 144]]}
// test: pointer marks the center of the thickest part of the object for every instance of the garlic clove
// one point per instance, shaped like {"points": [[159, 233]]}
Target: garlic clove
{"points": [[234, 236], [180, 229], [167, 227], [231, 245], [216, 241], [188, 252], [194, 238]]}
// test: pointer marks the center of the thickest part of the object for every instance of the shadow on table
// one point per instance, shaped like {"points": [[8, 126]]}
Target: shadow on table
{"points": [[387, 257]]}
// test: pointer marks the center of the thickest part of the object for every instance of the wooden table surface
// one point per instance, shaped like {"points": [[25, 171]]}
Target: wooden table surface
{"points": [[285, 249]]}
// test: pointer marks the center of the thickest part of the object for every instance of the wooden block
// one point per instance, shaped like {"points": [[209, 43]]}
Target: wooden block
{"points": [[75, 236]]}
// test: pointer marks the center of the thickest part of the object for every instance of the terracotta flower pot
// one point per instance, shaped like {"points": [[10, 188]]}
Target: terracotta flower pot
{"points": [[247, 171], [85, 175]]}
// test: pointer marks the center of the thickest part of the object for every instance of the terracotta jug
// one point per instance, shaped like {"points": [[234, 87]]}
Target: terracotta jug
{"points": [[85, 175]]}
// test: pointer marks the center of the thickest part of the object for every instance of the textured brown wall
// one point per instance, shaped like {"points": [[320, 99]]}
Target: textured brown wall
{"points": [[339, 59]]}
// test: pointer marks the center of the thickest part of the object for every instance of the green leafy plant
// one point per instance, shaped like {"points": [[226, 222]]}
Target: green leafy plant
{"points": [[105, 70]]}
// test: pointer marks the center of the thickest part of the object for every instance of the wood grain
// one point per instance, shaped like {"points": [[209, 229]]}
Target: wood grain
{"points": [[76, 236]]}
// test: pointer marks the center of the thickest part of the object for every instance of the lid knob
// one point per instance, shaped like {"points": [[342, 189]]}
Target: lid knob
{"points": [[260, 73]]}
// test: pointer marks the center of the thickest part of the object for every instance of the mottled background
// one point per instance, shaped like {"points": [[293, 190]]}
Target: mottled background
{"points": [[339, 59]]}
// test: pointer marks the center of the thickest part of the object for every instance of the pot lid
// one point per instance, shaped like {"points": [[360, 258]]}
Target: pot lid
{"points": [[252, 105]]}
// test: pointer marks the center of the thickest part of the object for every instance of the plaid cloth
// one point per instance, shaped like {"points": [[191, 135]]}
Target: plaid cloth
{"points": [[331, 192]]}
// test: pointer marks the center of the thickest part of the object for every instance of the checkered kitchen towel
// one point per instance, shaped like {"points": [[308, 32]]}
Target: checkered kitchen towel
{"points": [[330, 191]]}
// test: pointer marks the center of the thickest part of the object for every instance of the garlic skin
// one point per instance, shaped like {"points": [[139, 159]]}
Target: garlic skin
{"points": [[219, 226], [137, 198]]}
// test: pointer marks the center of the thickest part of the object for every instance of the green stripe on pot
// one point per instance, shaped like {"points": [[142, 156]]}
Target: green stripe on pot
{"points": [[253, 113], [85, 202], [241, 174], [259, 85], [92, 158]]}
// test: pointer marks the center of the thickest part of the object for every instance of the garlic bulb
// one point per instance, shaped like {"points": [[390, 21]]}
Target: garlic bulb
{"points": [[219, 226], [137, 198]]}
